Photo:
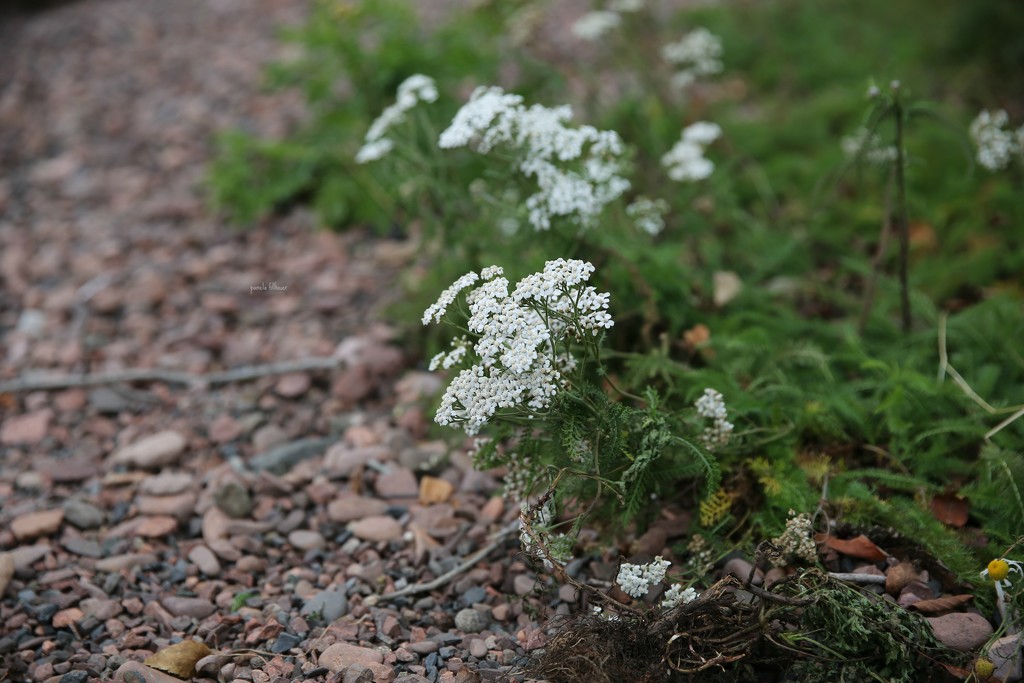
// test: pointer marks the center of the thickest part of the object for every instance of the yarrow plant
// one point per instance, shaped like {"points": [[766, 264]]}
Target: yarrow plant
{"points": [[592, 25], [711, 406], [867, 145], [577, 171], [411, 92], [636, 580], [996, 146], [522, 336], [686, 161], [695, 55]]}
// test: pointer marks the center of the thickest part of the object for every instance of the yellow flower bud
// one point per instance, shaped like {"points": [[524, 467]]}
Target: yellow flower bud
{"points": [[983, 668], [998, 570]]}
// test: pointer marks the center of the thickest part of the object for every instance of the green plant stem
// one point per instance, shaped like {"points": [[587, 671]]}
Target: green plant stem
{"points": [[902, 220]]}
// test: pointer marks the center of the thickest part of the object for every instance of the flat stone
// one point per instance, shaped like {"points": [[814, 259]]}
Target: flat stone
{"points": [[342, 460], [223, 549], [196, 608], [478, 648], [398, 483], [106, 401], [125, 561], [963, 631], [101, 609], [67, 617], [470, 620], [203, 558], [524, 584], [233, 499], [224, 428], [267, 437], [340, 655], [283, 458], [6, 571], [83, 515], [36, 524], [424, 647], [26, 556], [29, 428], [1007, 656], [351, 508], [137, 672], [167, 484], [82, 546], [179, 505], [293, 385], [151, 452], [154, 526], [304, 539], [330, 605], [376, 528], [68, 471]]}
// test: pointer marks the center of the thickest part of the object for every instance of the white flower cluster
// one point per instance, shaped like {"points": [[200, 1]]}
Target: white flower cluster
{"points": [[544, 143], [796, 542], [865, 144], [996, 145], [518, 335], [636, 579], [649, 214], [697, 54], [592, 25], [411, 91], [676, 596], [685, 161], [711, 406]]}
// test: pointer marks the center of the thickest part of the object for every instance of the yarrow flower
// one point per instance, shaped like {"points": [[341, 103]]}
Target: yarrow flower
{"points": [[518, 365], [711, 406], [637, 579], [545, 145], [996, 145], [796, 542], [649, 214], [411, 91], [676, 596], [867, 145], [697, 54], [592, 25], [686, 161]]}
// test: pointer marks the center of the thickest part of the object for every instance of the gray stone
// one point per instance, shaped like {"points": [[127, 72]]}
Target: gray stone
{"points": [[167, 484], [473, 595], [330, 605], [285, 642], [357, 673], [281, 459], [203, 558], [82, 514], [524, 584], [196, 608], [233, 499], [106, 401], [963, 631], [740, 568], [304, 539], [151, 452], [470, 621], [398, 483], [83, 546], [1007, 656]]}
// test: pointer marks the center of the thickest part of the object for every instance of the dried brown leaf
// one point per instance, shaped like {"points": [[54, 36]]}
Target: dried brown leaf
{"points": [[434, 490], [951, 509], [943, 604], [180, 659], [860, 546]]}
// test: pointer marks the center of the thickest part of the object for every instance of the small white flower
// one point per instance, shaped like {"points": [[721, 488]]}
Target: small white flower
{"points": [[592, 25], [711, 406], [676, 596], [649, 214], [577, 170], [996, 145], [636, 579], [626, 5], [411, 91], [685, 161], [437, 310], [866, 144], [696, 54]]}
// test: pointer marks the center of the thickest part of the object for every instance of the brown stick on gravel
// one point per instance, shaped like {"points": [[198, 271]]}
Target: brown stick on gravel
{"points": [[242, 374]]}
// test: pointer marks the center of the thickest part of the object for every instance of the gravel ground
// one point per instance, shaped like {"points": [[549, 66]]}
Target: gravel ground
{"points": [[269, 517], [252, 515]]}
